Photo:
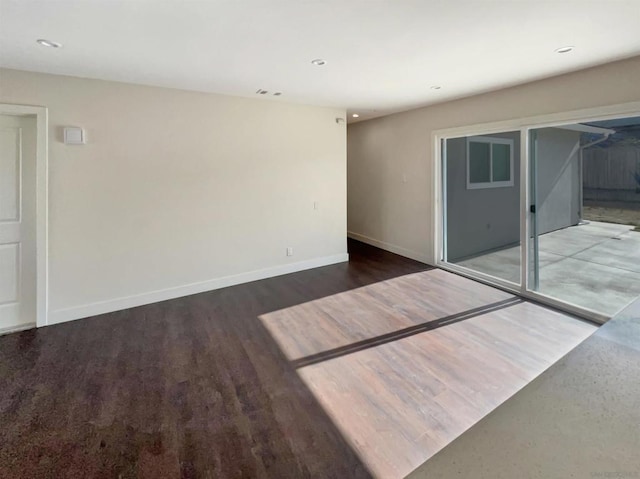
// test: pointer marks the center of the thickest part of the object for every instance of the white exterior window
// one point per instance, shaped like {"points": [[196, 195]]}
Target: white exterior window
{"points": [[489, 162]]}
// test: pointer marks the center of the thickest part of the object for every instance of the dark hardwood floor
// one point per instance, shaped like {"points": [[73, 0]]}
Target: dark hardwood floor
{"points": [[363, 369], [192, 387]]}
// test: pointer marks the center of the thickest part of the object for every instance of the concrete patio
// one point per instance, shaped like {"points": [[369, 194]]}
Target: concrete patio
{"points": [[595, 265]]}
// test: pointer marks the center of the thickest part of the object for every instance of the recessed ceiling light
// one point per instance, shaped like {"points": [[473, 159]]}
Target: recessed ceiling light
{"points": [[355, 115], [319, 62], [436, 87], [566, 49], [48, 43]]}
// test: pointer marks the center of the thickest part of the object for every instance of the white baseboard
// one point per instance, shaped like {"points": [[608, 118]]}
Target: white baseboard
{"points": [[407, 253], [102, 307], [15, 329]]}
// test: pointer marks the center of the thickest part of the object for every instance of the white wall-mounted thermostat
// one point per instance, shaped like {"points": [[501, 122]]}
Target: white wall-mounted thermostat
{"points": [[73, 135]]}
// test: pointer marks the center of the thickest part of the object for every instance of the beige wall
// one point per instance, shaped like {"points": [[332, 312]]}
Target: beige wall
{"points": [[390, 159], [177, 191]]}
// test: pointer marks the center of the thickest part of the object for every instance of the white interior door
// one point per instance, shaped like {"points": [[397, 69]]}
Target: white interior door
{"points": [[17, 221]]}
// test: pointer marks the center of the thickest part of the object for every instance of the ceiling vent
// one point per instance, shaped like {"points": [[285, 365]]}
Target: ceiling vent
{"points": [[260, 91]]}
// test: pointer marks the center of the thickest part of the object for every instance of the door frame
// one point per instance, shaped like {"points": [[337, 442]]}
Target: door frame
{"points": [[42, 203], [524, 126]]}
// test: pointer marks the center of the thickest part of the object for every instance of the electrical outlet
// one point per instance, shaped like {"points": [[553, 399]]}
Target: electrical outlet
{"points": [[315, 205], [289, 251]]}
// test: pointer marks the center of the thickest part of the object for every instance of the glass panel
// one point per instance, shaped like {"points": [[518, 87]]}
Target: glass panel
{"points": [[501, 158], [586, 191], [479, 162], [482, 225]]}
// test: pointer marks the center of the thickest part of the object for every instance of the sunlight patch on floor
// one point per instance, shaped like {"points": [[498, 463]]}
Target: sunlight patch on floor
{"points": [[398, 401]]}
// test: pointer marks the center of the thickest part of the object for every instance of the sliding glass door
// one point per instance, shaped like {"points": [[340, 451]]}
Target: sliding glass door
{"points": [[549, 212], [481, 177], [585, 192]]}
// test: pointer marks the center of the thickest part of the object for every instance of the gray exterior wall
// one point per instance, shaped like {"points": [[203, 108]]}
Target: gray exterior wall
{"points": [[483, 220], [558, 179], [480, 220]]}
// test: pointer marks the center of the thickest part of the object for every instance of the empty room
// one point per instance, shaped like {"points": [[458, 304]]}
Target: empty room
{"points": [[319, 239]]}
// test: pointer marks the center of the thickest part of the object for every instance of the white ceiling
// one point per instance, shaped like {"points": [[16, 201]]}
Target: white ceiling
{"points": [[382, 55]]}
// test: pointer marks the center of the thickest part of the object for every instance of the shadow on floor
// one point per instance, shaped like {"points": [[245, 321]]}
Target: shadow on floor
{"points": [[403, 333]]}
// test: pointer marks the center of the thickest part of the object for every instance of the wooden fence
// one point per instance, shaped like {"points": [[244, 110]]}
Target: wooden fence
{"points": [[616, 168]]}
